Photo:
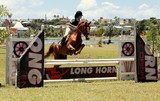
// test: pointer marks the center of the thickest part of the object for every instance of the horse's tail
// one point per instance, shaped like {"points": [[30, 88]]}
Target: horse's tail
{"points": [[50, 51]]}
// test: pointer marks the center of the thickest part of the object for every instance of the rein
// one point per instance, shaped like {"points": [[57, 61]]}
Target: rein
{"points": [[80, 31]]}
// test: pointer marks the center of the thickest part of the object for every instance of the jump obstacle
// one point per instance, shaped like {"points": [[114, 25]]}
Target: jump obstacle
{"points": [[29, 69]]}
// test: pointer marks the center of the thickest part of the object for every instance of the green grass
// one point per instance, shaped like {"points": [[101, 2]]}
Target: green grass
{"points": [[82, 91], [107, 51]]}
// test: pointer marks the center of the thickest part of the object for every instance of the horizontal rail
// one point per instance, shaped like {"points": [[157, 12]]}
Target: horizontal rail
{"points": [[112, 59], [127, 73], [81, 79], [20, 39], [87, 61]]}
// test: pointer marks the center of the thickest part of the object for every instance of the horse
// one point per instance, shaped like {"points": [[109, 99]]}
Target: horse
{"points": [[73, 43]]}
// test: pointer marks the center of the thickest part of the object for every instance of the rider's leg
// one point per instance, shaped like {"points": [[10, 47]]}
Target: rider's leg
{"points": [[63, 41], [65, 36], [67, 31]]}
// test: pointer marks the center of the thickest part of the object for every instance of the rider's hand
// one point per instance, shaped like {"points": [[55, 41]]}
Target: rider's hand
{"points": [[75, 27]]}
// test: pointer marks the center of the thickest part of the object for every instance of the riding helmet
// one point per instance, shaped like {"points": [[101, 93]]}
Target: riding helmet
{"points": [[78, 13]]}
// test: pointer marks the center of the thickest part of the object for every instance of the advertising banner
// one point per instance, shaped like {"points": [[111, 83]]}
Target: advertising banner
{"points": [[79, 72], [145, 61], [31, 64]]}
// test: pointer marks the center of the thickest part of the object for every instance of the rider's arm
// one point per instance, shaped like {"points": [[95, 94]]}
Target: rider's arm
{"points": [[69, 24]]}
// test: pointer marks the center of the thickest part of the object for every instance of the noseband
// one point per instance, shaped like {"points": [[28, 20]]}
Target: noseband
{"points": [[83, 29]]}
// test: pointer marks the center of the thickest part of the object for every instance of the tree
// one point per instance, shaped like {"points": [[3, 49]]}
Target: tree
{"points": [[105, 23], [4, 12], [150, 29], [3, 36], [152, 34], [110, 34], [116, 20], [141, 26], [61, 31], [100, 31], [96, 23]]}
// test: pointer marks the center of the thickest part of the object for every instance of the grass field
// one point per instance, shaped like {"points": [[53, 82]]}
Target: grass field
{"points": [[82, 91], [106, 51]]}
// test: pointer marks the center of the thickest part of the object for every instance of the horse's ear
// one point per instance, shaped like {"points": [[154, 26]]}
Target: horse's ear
{"points": [[89, 23], [86, 23]]}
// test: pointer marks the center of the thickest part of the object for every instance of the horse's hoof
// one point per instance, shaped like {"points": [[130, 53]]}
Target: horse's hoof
{"points": [[76, 53], [87, 38]]}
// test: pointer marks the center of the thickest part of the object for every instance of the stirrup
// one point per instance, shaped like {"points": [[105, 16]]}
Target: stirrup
{"points": [[62, 42]]}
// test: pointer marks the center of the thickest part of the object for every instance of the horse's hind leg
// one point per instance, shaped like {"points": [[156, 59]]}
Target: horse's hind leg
{"points": [[79, 49], [50, 51], [62, 56]]}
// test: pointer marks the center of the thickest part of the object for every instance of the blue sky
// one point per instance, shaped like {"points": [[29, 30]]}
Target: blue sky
{"points": [[92, 9]]}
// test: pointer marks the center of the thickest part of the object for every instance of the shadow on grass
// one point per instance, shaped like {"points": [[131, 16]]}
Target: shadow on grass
{"points": [[96, 83], [2, 86], [66, 84], [2, 53]]}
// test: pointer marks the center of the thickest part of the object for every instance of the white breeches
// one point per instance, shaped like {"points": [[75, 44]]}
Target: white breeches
{"points": [[67, 31]]}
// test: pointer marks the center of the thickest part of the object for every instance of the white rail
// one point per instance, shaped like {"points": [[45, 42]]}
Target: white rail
{"points": [[81, 79], [87, 61]]}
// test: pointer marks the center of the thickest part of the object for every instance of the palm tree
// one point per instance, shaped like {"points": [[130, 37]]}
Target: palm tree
{"points": [[4, 12]]}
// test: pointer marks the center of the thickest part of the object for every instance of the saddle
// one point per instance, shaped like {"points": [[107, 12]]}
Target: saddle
{"points": [[65, 39]]}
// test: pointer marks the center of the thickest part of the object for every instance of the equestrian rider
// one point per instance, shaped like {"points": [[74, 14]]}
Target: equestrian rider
{"points": [[72, 25]]}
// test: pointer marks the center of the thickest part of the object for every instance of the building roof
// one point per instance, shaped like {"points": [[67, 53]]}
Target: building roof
{"points": [[19, 26]]}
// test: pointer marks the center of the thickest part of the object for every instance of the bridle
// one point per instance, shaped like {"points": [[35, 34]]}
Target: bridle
{"points": [[83, 29]]}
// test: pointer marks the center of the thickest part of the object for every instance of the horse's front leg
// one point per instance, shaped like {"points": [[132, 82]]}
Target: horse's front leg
{"points": [[79, 49], [70, 47]]}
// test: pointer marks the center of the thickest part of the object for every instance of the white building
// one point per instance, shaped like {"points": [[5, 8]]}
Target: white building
{"points": [[19, 29]]}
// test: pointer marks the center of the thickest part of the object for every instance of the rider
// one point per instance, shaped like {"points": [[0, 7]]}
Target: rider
{"points": [[71, 26]]}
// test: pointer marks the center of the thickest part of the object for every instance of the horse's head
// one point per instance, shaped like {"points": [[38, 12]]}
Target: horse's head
{"points": [[85, 28]]}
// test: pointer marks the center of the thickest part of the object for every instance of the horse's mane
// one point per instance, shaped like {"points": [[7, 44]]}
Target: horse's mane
{"points": [[79, 25], [82, 22]]}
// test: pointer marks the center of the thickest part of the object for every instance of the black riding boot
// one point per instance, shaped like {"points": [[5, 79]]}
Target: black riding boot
{"points": [[62, 43]]}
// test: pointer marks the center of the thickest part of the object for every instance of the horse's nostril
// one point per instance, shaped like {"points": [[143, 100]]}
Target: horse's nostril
{"points": [[87, 38]]}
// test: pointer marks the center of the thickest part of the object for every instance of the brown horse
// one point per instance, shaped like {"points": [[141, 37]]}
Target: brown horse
{"points": [[73, 44]]}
